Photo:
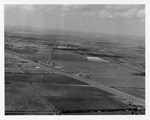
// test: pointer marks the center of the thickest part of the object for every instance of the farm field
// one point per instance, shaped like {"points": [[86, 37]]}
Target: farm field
{"points": [[25, 50], [41, 78], [105, 73], [36, 86], [15, 65], [20, 97], [12, 64], [99, 113], [140, 93], [11, 67], [34, 51], [62, 95], [72, 105], [78, 97], [68, 56], [41, 55], [103, 69], [121, 82], [44, 88], [109, 74]]}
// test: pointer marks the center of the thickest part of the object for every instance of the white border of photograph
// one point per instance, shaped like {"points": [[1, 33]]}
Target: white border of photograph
{"points": [[65, 117]]}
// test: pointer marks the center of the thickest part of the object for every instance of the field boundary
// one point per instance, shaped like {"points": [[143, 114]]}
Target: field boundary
{"points": [[43, 100]]}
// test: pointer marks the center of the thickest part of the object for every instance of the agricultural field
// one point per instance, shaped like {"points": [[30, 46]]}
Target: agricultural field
{"points": [[12, 64], [37, 87], [131, 53], [22, 48], [31, 49], [65, 94], [137, 82], [101, 68], [107, 73], [51, 78], [20, 97], [99, 113], [138, 92], [16, 65], [67, 56], [78, 97], [41, 56]]}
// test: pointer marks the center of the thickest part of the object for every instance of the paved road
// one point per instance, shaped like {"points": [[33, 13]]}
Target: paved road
{"points": [[88, 81], [50, 54]]}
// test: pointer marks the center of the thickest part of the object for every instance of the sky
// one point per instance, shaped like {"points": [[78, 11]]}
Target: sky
{"points": [[114, 19]]}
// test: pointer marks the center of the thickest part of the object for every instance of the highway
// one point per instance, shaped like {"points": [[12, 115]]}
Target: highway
{"points": [[47, 67]]}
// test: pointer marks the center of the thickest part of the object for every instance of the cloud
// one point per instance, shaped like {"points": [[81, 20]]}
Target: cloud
{"points": [[70, 7], [141, 20], [133, 13], [20, 8], [82, 10], [105, 14], [123, 7], [116, 6], [136, 14], [9, 6], [141, 13], [23, 7], [28, 7], [96, 11], [129, 14], [89, 13]]}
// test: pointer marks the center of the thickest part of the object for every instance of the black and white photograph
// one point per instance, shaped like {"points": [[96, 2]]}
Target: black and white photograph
{"points": [[74, 59]]}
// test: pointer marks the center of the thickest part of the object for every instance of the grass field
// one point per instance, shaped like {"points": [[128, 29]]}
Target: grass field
{"points": [[108, 74], [13, 67], [47, 89], [77, 97], [34, 90], [41, 56], [26, 50], [102, 69], [41, 78], [20, 97], [99, 113], [103, 103], [121, 81], [68, 56], [140, 93]]}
